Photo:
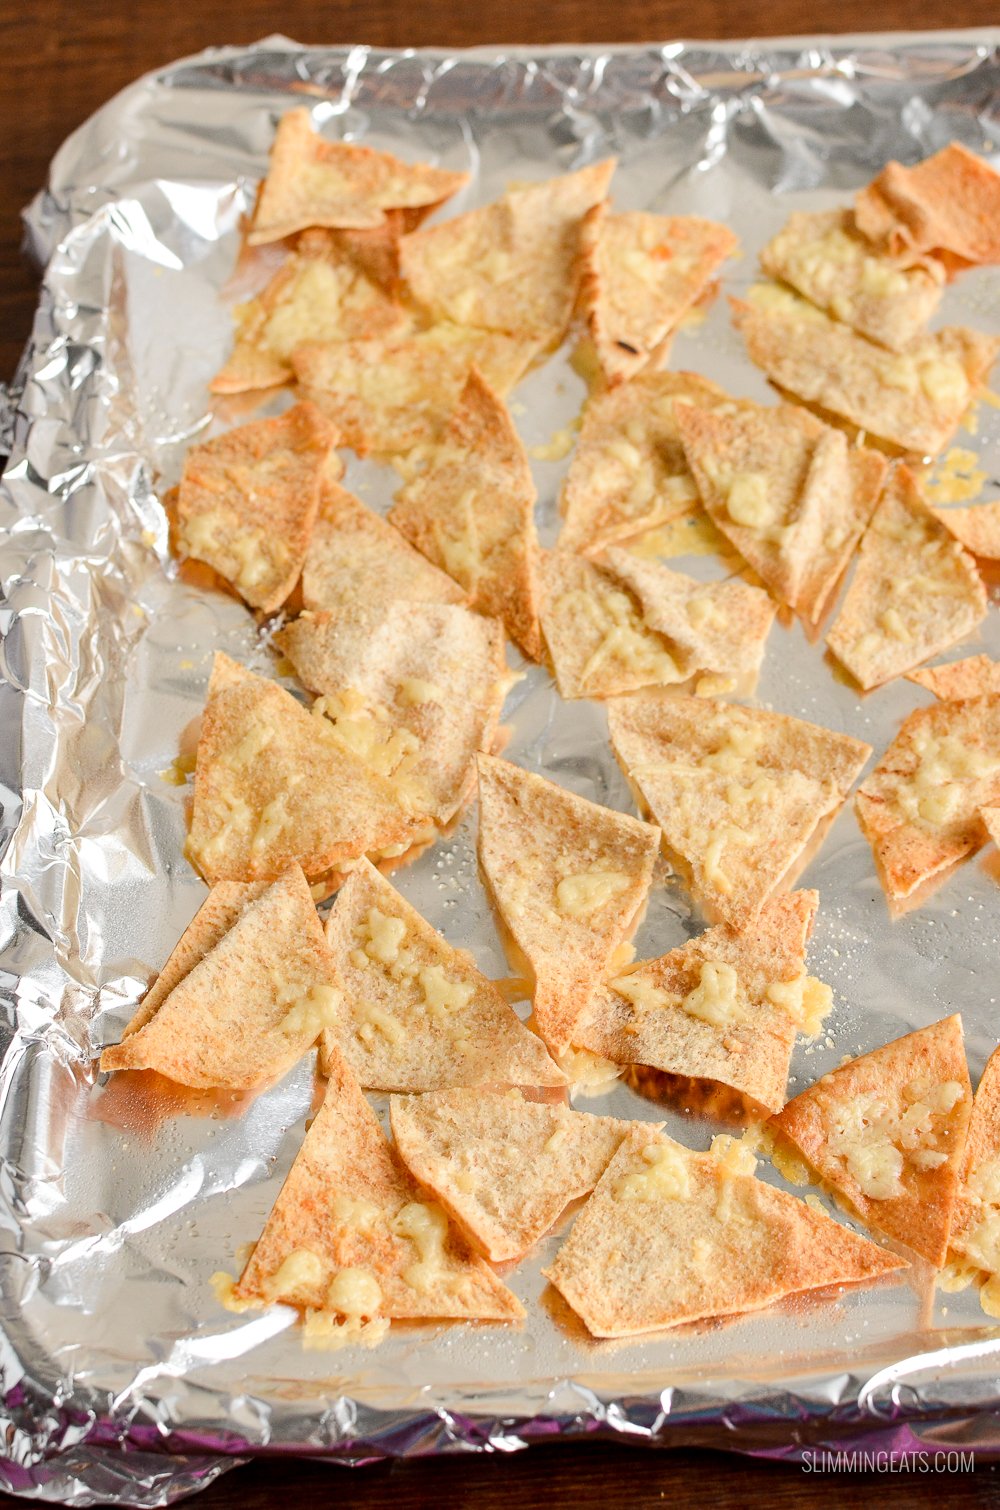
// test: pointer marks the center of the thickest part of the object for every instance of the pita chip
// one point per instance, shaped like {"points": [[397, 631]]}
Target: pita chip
{"points": [[976, 676], [725, 1007], [787, 490], [415, 692], [357, 562], [914, 399], [822, 256], [887, 1133], [314, 182], [991, 818], [392, 394], [629, 473], [418, 1015], [915, 591], [275, 783], [503, 1168], [919, 808], [671, 1236], [949, 203], [570, 880], [353, 1243], [249, 1007], [975, 1230], [976, 527], [513, 265], [248, 500], [470, 511], [641, 275]]}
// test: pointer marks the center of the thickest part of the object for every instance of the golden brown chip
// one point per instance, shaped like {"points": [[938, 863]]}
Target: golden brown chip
{"points": [[991, 818], [724, 1007], [821, 254], [351, 1239], [737, 792], [470, 510], [248, 500], [887, 1132], [513, 265], [570, 880], [503, 1168], [919, 807], [628, 473], [975, 1230], [391, 395], [641, 274], [671, 1236], [914, 399], [418, 1016], [250, 1006], [787, 490], [977, 528], [948, 203], [415, 691], [914, 593], [314, 182], [976, 676]]}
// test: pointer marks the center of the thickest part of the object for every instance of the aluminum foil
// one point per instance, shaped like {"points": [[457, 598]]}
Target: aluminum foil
{"points": [[122, 1379]]}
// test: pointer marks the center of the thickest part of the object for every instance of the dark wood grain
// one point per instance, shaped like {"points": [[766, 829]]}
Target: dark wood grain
{"points": [[63, 58]]}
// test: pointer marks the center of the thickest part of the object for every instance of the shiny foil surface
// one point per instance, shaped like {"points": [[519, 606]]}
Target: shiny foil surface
{"points": [[122, 1379]]}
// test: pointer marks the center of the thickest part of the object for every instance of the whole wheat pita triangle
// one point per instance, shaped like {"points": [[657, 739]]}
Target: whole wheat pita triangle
{"points": [[915, 590], [472, 1149], [628, 473], [275, 784], [738, 792], [641, 274], [513, 265], [887, 1132], [915, 399], [725, 1007], [471, 512], [975, 1229], [787, 490], [251, 1005], [418, 1015], [314, 182], [415, 690], [671, 1236], [248, 501], [570, 881], [919, 808], [976, 527], [975, 676], [351, 1239], [948, 203], [358, 562], [821, 254]]}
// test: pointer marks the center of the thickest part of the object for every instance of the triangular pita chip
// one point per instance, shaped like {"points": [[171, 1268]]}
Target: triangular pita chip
{"points": [[950, 203], [821, 255], [887, 1132], [914, 593], [418, 1016], [724, 1007], [503, 1168], [975, 1229], [737, 792], [390, 395], [914, 399], [356, 562], [977, 528], [787, 490], [471, 511], [251, 1006], [919, 807], [628, 473], [513, 265], [671, 1236], [570, 880], [416, 692], [275, 783], [351, 1239], [641, 274], [976, 676], [248, 500], [314, 182]]}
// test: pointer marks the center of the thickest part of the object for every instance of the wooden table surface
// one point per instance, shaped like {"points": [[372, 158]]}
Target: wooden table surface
{"points": [[62, 60]]}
